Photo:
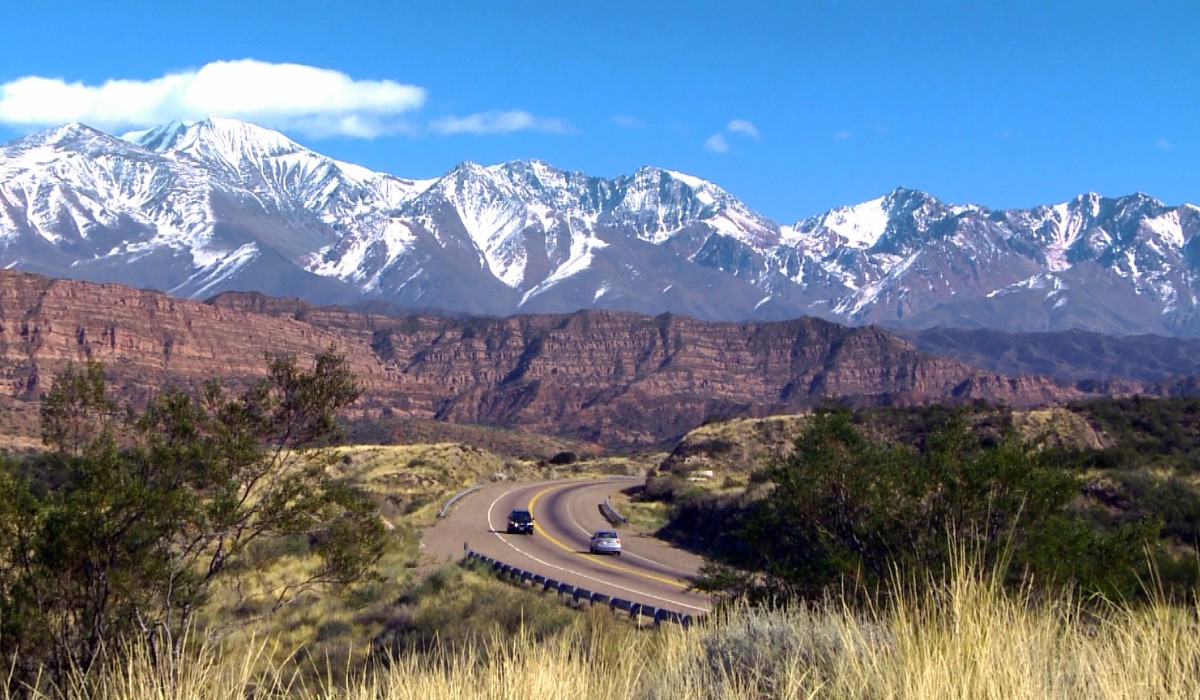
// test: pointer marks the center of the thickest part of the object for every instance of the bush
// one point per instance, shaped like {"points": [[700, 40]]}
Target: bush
{"points": [[564, 458], [138, 514], [844, 507]]}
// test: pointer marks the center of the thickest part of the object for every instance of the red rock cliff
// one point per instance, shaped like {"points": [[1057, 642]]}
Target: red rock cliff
{"points": [[607, 376]]}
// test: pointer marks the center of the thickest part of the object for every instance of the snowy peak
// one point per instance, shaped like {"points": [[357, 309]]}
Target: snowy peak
{"points": [[68, 140], [72, 134], [663, 203], [229, 137], [268, 163], [160, 138], [857, 226], [195, 208], [863, 226], [244, 151]]}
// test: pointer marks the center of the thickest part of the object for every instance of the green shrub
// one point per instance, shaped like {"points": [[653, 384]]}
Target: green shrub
{"points": [[841, 506]]}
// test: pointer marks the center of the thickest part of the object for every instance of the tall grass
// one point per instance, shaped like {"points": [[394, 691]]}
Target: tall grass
{"points": [[966, 638]]}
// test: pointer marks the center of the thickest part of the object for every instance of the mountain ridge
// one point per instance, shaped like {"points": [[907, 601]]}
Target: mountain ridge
{"points": [[221, 205]]}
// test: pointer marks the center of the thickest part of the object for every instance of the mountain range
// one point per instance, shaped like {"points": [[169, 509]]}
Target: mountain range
{"points": [[220, 205]]}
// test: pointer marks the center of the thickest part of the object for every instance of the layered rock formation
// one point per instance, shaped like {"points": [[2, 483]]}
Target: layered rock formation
{"points": [[611, 377]]}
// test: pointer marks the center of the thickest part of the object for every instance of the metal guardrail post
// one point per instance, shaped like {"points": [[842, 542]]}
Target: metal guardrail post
{"points": [[577, 595]]}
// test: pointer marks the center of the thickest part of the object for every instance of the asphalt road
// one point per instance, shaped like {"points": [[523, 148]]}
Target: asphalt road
{"points": [[565, 514]]}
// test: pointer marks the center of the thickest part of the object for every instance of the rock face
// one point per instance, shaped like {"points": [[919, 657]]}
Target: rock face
{"points": [[145, 339], [611, 377]]}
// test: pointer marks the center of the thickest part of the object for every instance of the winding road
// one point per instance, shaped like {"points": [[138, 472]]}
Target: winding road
{"points": [[565, 515]]}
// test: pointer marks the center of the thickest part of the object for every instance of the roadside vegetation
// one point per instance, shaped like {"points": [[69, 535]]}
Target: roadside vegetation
{"points": [[1092, 499], [968, 636], [932, 552]]}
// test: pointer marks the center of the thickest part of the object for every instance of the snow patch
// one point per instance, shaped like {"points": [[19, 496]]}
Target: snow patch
{"points": [[1041, 280], [224, 268], [871, 292], [859, 226], [582, 248], [1167, 228], [690, 180]]}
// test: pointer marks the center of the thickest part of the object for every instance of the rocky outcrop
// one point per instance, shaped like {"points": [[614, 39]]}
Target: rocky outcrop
{"points": [[145, 339], [610, 377]]}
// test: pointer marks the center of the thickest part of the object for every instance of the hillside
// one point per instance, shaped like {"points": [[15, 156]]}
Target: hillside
{"points": [[1073, 355]]}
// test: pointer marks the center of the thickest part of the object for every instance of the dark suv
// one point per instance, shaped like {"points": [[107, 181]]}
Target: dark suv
{"points": [[520, 521]]}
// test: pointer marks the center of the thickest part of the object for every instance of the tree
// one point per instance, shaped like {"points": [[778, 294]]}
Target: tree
{"points": [[138, 515], [840, 506]]}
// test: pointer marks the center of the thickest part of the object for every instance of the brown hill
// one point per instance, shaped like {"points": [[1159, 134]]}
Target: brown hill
{"points": [[1074, 355], [614, 378]]}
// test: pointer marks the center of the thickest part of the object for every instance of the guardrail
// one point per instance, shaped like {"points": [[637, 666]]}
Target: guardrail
{"points": [[579, 595], [446, 507], [610, 513]]}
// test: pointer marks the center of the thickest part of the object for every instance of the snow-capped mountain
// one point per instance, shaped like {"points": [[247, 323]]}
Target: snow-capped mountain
{"points": [[195, 209]]}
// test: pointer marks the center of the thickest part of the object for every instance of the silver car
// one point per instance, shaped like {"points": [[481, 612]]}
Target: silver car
{"points": [[606, 542]]}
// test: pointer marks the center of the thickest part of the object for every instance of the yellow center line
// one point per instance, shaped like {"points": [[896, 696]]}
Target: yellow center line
{"points": [[624, 569]]}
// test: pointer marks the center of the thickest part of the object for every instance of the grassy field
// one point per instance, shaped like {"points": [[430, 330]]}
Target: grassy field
{"points": [[965, 639]]}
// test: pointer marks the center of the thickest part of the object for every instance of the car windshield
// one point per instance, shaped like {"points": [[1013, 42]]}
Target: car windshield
{"points": [[605, 535], [520, 516]]}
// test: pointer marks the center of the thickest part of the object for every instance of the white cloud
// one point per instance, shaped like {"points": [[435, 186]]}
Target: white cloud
{"points": [[497, 122], [626, 122], [1164, 145], [843, 135], [742, 126], [317, 101], [716, 143]]}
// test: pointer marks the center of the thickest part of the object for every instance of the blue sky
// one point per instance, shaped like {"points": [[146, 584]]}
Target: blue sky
{"points": [[793, 107]]}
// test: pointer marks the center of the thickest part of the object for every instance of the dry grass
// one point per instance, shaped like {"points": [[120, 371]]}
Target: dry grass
{"points": [[967, 639], [643, 516]]}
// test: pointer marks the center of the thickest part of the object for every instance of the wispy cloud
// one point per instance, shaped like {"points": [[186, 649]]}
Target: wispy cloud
{"points": [[716, 143], [626, 122], [843, 135], [317, 101], [497, 122], [1164, 145], [742, 126]]}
